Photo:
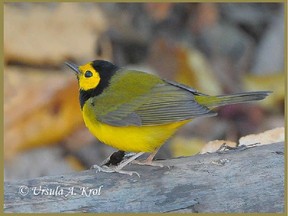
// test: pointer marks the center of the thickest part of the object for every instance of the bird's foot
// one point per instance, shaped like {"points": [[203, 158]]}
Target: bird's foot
{"points": [[119, 167], [114, 169], [224, 147], [148, 163]]}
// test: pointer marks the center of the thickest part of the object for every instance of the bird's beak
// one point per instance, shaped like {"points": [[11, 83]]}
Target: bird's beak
{"points": [[74, 67]]}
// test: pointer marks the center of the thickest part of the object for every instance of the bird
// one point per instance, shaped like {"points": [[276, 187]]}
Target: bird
{"points": [[137, 112]]}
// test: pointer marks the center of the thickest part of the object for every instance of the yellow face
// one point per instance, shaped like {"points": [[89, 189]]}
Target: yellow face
{"points": [[88, 77]]}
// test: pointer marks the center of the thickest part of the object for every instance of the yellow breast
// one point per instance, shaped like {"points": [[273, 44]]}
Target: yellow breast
{"points": [[130, 138]]}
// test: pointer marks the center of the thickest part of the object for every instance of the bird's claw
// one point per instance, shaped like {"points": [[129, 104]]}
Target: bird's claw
{"points": [[107, 169], [149, 163]]}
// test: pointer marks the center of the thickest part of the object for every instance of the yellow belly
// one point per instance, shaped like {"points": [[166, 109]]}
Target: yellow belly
{"points": [[131, 138]]}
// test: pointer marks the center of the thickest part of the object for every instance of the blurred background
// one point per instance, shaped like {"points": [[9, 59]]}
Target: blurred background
{"points": [[215, 47]]}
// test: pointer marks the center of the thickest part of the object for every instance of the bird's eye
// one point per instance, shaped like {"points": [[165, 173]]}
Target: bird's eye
{"points": [[88, 74]]}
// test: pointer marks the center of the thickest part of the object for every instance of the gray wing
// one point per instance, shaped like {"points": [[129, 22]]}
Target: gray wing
{"points": [[165, 103]]}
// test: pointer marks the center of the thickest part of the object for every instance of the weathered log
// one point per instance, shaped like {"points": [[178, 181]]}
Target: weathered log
{"points": [[250, 180]]}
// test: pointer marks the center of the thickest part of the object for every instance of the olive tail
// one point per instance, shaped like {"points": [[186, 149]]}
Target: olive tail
{"points": [[221, 100]]}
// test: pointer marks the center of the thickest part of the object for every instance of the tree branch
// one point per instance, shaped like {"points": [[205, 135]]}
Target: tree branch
{"points": [[250, 180]]}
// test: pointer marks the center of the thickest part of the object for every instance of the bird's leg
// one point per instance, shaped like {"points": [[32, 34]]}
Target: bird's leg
{"points": [[114, 158], [127, 161], [119, 167], [149, 160]]}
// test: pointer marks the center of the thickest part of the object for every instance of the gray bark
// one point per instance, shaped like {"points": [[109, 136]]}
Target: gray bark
{"points": [[250, 180]]}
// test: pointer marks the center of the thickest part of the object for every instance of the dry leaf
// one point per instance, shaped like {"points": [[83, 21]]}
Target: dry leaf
{"points": [[267, 137], [42, 35], [194, 70], [39, 108], [184, 65]]}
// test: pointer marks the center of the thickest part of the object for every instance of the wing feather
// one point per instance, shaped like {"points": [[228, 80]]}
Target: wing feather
{"points": [[152, 103], [164, 103]]}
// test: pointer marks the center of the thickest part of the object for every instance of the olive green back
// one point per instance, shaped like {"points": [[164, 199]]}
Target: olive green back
{"points": [[137, 98]]}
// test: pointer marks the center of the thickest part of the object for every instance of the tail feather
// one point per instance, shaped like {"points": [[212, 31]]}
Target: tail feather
{"points": [[221, 100]]}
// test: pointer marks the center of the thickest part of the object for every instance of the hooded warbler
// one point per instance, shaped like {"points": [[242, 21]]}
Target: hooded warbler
{"points": [[137, 112]]}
